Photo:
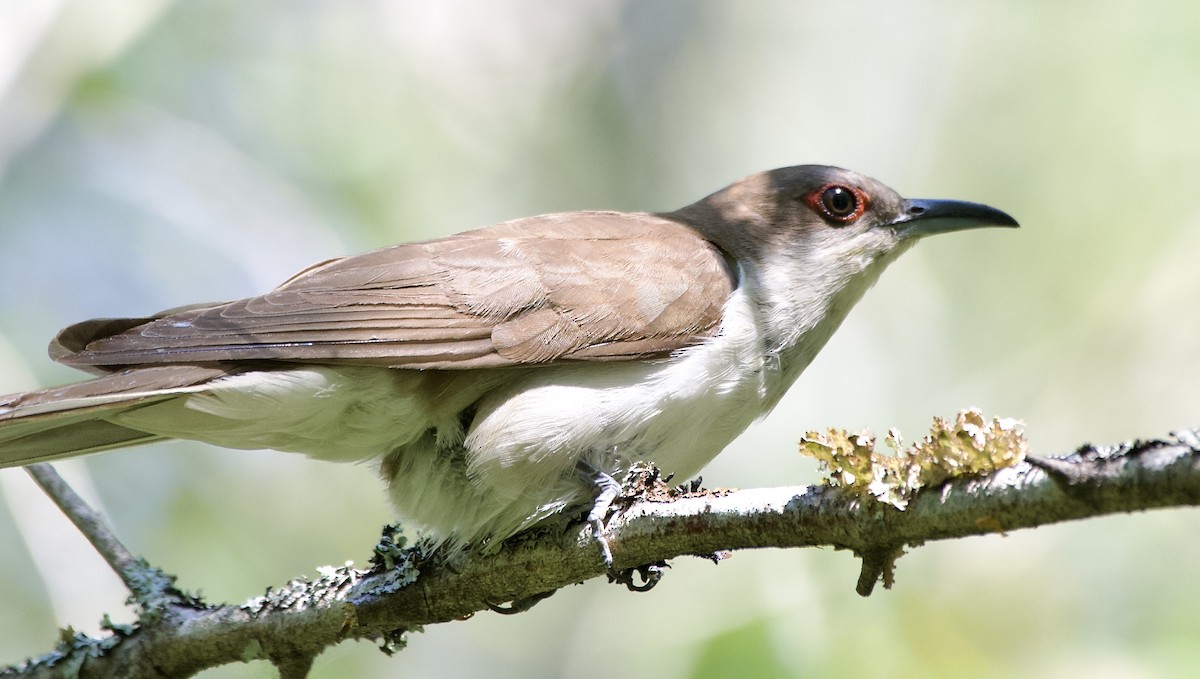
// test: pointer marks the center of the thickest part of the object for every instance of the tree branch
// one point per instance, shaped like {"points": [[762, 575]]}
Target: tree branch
{"points": [[87, 520], [408, 587], [151, 588]]}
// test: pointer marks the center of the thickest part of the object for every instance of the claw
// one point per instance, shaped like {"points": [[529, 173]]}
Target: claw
{"points": [[520, 605], [650, 573]]}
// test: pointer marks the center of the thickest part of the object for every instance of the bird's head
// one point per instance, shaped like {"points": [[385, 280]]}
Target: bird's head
{"points": [[826, 214], [807, 241]]}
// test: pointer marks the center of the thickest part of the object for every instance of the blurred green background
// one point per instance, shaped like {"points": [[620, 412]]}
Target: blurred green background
{"points": [[154, 154]]}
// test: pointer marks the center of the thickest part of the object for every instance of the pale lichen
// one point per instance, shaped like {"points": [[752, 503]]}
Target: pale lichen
{"points": [[971, 445]]}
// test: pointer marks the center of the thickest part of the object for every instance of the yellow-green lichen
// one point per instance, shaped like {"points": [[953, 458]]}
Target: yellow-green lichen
{"points": [[969, 446]]}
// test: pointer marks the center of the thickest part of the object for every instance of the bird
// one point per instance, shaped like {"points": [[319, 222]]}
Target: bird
{"points": [[504, 375]]}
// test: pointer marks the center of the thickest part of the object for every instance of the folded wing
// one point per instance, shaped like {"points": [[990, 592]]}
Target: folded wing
{"points": [[577, 286]]}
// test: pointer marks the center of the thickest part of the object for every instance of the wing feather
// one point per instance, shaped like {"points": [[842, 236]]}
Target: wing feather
{"points": [[585, 286]]}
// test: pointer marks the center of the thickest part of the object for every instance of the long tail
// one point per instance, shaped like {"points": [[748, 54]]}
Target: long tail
{"points": [[50, 424]]}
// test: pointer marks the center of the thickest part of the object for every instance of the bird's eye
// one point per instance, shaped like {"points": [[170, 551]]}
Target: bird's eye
{"points": [[840, 203], [837, 203]]}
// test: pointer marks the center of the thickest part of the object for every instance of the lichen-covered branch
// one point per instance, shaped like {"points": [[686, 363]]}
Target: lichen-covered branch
{"points": [[151, 589], [408, 588]]}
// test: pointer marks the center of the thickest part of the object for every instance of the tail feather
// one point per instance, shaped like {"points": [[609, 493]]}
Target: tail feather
{"points": [[78, 438], [51, 424]]}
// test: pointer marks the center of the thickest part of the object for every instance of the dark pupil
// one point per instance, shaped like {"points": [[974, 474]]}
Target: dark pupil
{"points": [[838, 201]]}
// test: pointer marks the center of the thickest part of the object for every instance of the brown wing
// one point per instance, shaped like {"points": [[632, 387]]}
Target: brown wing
{"points": [[589, 286]]}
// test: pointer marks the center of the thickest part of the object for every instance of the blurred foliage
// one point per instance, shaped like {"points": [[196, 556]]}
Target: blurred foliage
{"points": [[159, 153]]}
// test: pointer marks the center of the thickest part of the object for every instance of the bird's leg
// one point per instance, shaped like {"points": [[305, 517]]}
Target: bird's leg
{"points": [[607, 489]]}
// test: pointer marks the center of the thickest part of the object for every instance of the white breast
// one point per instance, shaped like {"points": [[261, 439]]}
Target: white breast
{"points": [[677, 413]]}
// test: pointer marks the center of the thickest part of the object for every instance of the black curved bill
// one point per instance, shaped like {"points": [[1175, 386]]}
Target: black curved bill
{"points": [[922, 217]]}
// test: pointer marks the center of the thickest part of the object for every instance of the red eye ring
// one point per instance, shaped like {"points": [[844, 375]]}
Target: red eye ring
{"points": [[838, 203]]}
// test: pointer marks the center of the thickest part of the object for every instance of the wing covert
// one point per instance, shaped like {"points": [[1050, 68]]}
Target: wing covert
{"points": [[584, 286]]}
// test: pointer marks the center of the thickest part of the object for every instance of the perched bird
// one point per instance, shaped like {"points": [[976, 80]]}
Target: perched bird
{"points": [[499, 376]]}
